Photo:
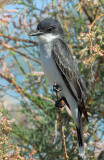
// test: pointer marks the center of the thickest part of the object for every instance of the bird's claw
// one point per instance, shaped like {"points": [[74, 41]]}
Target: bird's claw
{"points": [[59, 104], [56, 88]]}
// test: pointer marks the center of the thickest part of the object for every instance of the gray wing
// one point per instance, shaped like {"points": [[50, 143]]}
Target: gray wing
{"points": [[68, 69]]}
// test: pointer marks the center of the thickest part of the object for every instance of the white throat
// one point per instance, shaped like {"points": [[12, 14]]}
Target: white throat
{"points": [[47, 38]]}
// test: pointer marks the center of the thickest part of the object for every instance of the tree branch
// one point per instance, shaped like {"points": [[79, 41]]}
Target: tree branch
{"points": [[62, 130], [11, 80], [18, 39], [22, 54], [86, 12]]}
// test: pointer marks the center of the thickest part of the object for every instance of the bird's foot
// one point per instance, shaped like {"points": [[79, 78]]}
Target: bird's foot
{"points": [[56, 88], [60, 103]]}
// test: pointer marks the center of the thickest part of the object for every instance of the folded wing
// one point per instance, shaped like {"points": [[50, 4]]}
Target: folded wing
{"points": [[68, 69]]}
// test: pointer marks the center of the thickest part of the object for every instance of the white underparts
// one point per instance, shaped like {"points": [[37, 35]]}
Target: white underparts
{"points": [[47, 37]]}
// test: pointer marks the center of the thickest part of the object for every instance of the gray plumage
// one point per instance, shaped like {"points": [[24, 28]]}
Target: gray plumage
{"points": [[67, 67], [60, 67]]}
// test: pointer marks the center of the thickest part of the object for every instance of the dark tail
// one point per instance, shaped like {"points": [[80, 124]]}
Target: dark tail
{"points": [[79, 131], [80, 136]]}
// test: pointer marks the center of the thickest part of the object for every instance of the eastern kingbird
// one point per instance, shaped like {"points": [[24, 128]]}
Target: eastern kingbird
{"points": [[61, 68]]}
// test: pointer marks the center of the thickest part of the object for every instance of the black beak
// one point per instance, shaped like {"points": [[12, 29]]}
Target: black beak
{"points": [[36, 33]]}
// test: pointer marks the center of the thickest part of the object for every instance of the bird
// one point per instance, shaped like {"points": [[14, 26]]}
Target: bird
{"points": [[61, 70]]}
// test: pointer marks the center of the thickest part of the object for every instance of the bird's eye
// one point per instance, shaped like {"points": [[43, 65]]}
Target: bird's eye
{"points": [[50, 29]]}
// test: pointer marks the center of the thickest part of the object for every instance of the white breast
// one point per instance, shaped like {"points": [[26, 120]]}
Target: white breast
{"points": [[48, 64]]}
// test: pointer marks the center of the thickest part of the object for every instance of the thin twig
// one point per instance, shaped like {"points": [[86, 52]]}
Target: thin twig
{"points": [[55, 132], [11, 80], [102, 114], [66, 28], [86, 12], [68, 35], [18, 39], [64, 142], [96, 77], [22, 54], [46, 98], [95, 21], [90, 30], [62, 131]]}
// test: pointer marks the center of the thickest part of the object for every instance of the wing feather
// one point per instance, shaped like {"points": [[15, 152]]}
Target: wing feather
{"points": [[68, 69]]}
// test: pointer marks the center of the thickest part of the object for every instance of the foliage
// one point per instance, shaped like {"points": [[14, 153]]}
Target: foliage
{"points": [[7, 150], [25, 92]]}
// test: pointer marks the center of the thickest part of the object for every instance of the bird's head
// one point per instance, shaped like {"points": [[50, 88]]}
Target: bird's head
{"points": [[48, 29]]}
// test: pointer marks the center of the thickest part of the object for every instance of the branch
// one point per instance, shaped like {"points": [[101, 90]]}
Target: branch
{"points": [[101, 115], [62, 131], [18, 39], [22, 54], [96, 78], [11, 80], [64, 143], [46, 98], [87, 14], [98, 71], [66, 28], [90, 30], [95, 21]]}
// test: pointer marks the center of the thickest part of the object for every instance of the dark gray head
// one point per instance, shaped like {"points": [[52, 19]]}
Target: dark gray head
{"points": [[47, 29]]}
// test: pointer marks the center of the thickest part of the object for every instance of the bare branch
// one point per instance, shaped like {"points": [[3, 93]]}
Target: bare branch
{"points": [[22, 54], [18, 39]]}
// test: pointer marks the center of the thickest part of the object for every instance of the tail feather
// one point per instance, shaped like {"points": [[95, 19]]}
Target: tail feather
{"points": [[82, 152], [80, 136], [78, 122]]}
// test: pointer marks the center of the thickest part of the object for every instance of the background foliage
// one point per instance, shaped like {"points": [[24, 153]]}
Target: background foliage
{"points": [[38, 131]]}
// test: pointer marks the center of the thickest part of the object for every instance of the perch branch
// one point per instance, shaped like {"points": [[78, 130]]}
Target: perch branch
{"points": [[62, 130]]}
